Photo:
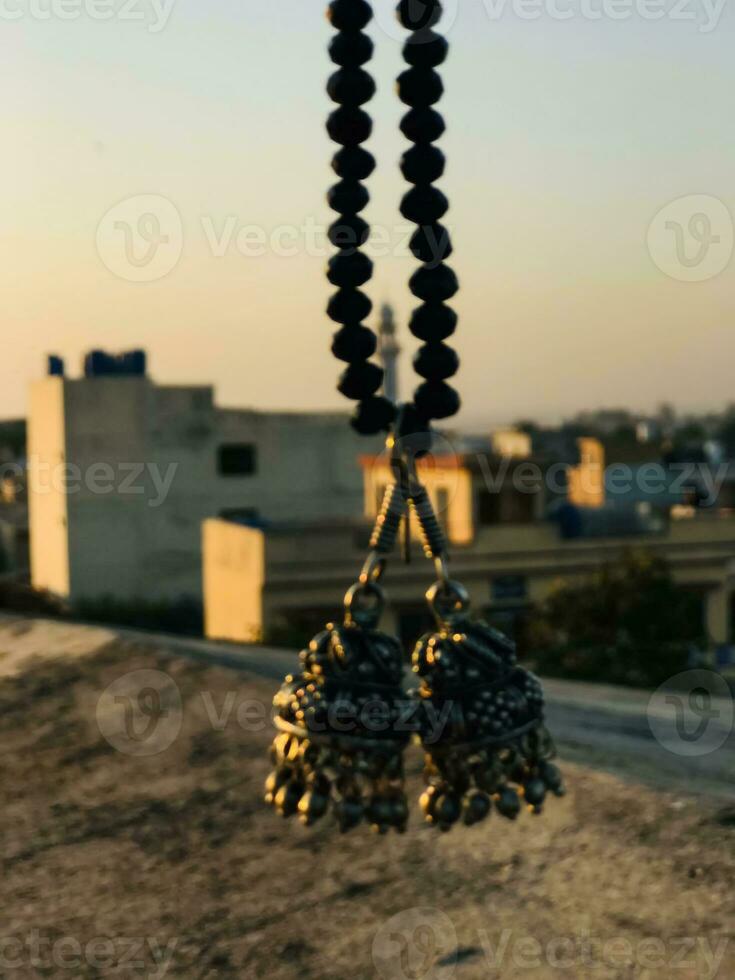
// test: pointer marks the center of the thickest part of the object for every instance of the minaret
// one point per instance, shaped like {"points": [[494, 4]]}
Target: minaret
{"points": [[389, 351]]}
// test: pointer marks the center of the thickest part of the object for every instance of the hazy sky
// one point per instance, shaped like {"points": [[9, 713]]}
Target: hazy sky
{"points": [[566, 138]]}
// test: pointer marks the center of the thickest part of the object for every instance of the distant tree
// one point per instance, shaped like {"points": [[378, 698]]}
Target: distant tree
{"points": [[689, 434], [667, 418], [624, 435], [628, 624], [726, 432]]}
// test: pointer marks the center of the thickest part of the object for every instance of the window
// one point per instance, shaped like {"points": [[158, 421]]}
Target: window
{"points": [[237, 459], [488, 508], [508, 506], [442, 508]]}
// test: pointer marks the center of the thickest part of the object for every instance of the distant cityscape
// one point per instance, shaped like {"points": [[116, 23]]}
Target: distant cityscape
{"points": [[118, 493]]}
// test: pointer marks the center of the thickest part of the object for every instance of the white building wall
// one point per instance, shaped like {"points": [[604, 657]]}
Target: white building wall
{"points": [[138, 535], [106, 437], [47, 512]]}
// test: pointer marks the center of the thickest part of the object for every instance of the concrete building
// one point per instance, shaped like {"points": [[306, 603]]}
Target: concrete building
{"points": [[511, 442], [287, 581], [122, 472]]}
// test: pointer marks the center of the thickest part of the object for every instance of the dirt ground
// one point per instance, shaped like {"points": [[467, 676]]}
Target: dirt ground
{"points": [[169, 864]]}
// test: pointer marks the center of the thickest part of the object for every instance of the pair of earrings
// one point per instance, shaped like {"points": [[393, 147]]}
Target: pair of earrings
{"points": [[345, 720]]}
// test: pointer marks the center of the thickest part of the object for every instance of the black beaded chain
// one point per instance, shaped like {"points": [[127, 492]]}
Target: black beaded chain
{"points": [[420, 87], [351, 87]]}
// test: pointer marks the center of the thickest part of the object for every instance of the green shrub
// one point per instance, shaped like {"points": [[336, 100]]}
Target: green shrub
{"points": [[182, 616], [628, 624]]}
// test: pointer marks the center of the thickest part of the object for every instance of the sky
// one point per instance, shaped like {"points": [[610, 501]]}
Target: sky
{"points": [[165, 170]]}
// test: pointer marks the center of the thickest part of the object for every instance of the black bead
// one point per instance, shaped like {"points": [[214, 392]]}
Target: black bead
{"points": [[349, 15], [351, 49], [312, 807], [287, 798], [423, 164], [422, 125], [416, 15], [360, 380], [431, 244], [535, 792], [424, 205], [447, 810], [434, 285], [349, 126], [373, 415], [349, 232], [436, 400], [412, 429], [354, 343], [552, 777], [354, 162], [349, 269], [436, 362], [433, 322], [426, 49], [348, 197], [420, 87], [349, 814], [349, 306], [476, 808], [351, 86], [508, 804]]}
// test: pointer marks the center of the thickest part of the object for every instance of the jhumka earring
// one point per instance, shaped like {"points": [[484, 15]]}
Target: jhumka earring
{"points": [[342, 720]]}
